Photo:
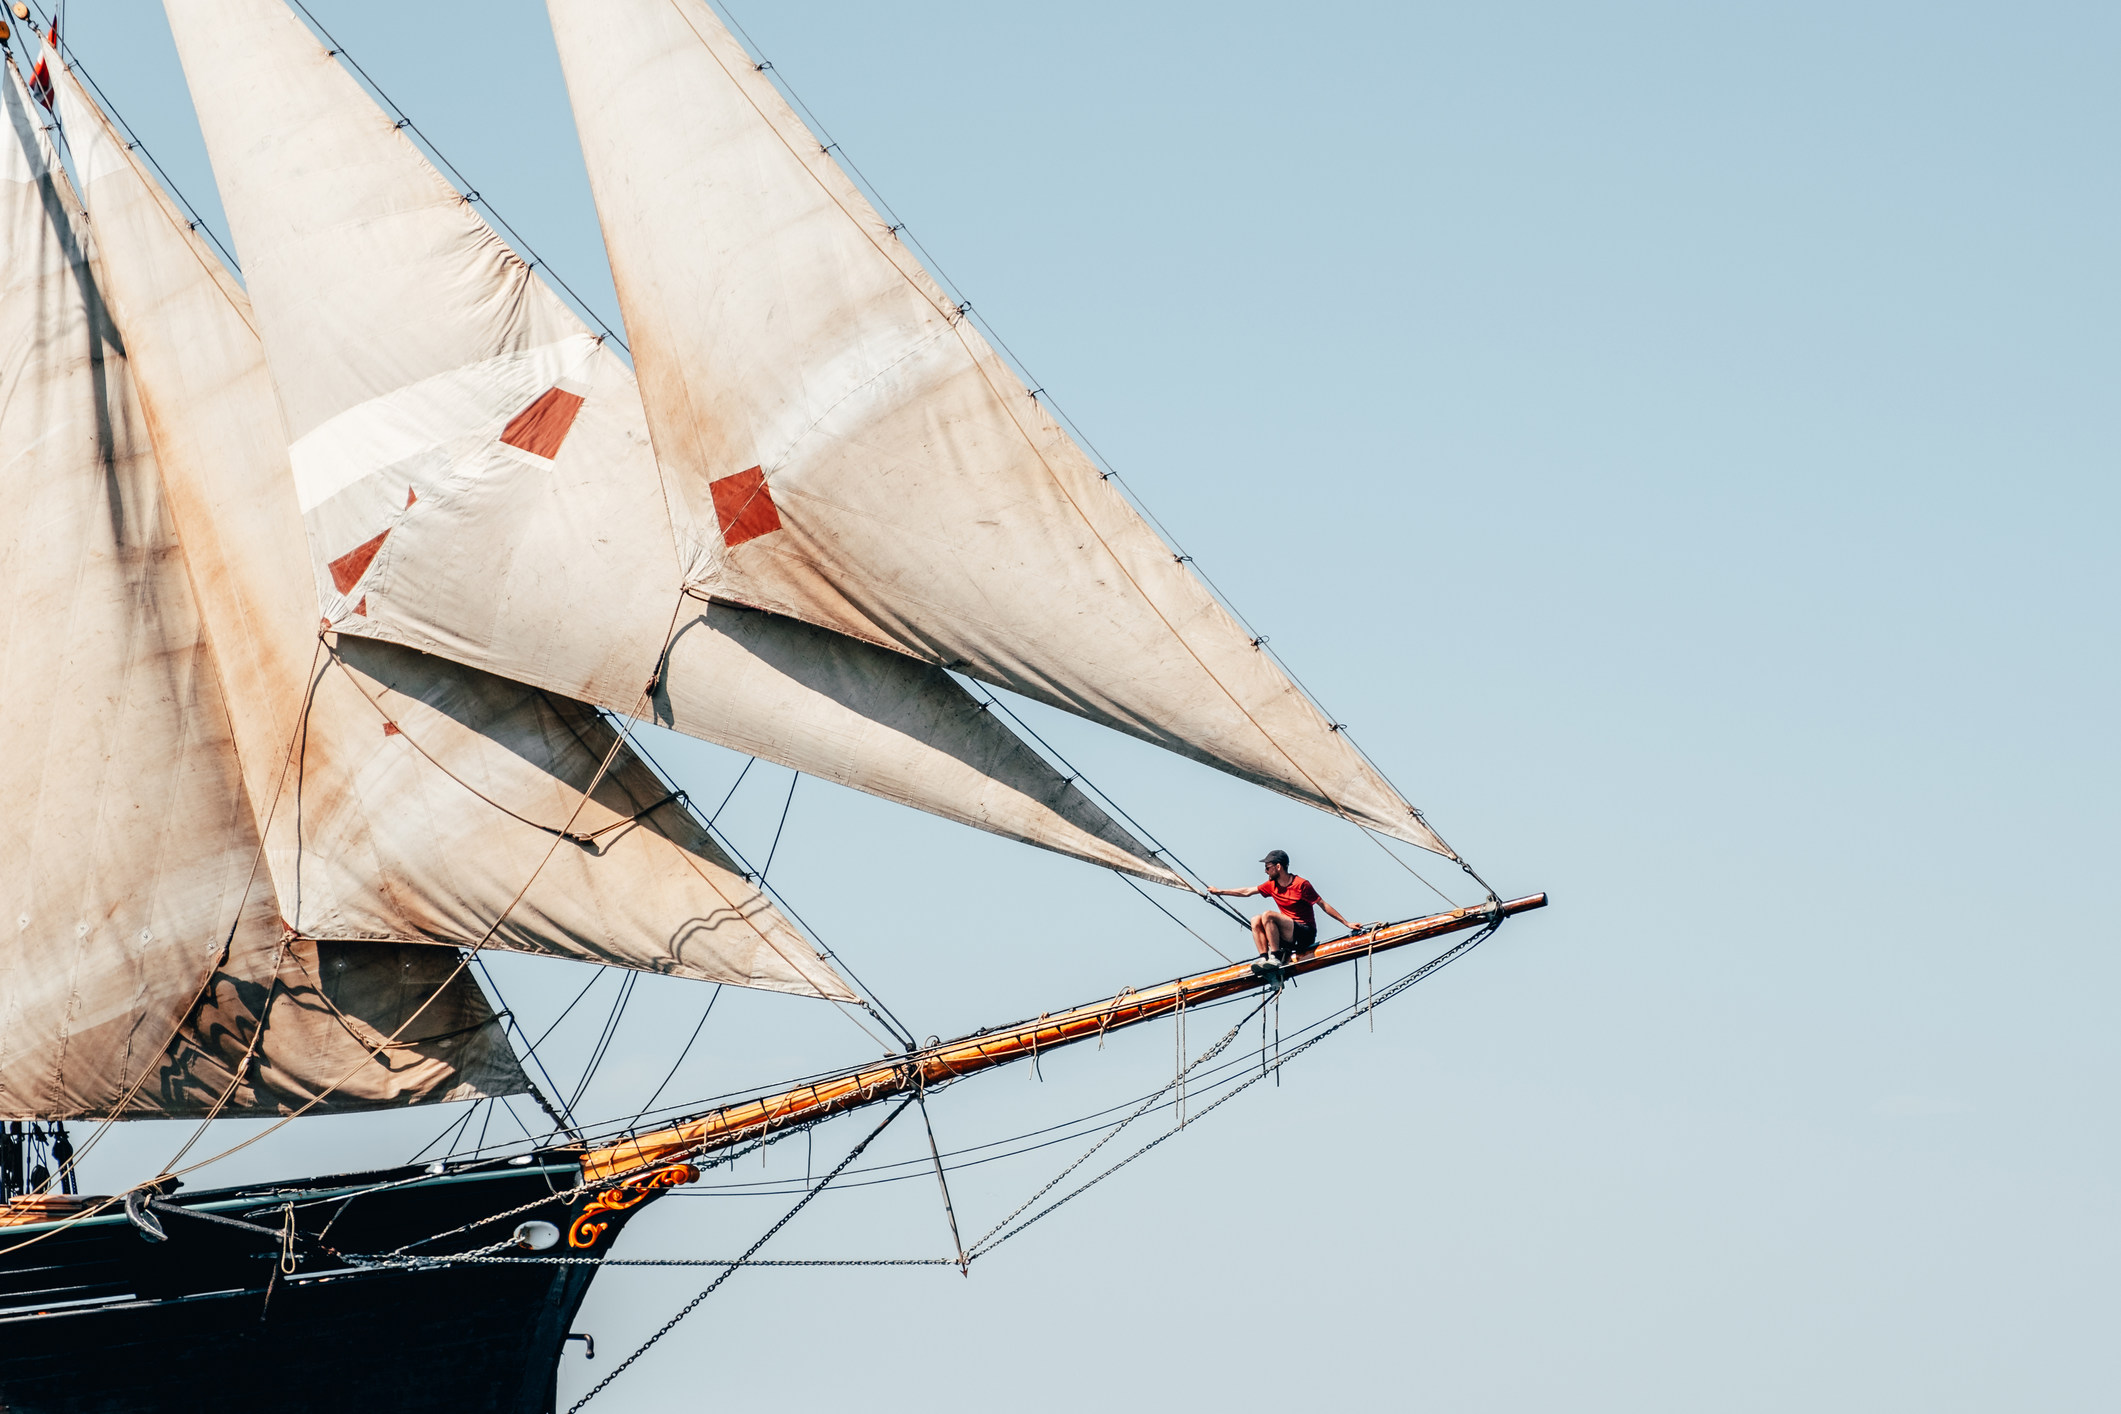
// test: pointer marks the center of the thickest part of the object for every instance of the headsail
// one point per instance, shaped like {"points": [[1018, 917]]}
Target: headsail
{"points": [[475, 472], [858, 457], [144, 953], [402, 796]]}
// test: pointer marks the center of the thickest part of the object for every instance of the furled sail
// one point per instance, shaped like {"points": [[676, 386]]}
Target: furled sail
{"points": [[858, 455], [402, 796], [143, 951], [476, 476]]}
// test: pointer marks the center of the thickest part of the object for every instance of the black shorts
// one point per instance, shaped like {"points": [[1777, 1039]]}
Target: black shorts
{"points": [[1306, 937]]}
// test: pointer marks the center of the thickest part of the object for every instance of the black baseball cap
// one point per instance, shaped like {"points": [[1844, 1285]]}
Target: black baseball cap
{"points": [[1277, 856]]}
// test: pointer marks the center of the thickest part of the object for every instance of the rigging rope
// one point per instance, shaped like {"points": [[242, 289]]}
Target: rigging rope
{"points": [[1129, 881], [1428, 968], [775, 847], [732, 791], [752, 1251], [565, 1115], [462, 1122], [1213, 1051], [683, 1053], [604, 1040], [872, 1003], [987, 695]]}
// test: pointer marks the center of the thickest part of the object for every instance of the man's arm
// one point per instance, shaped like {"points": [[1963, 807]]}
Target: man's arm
{"points": [[1351, 927], [1241, 893]]}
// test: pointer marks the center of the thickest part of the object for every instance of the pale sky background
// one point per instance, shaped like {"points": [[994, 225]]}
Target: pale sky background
{"points": [[1671, 436]]}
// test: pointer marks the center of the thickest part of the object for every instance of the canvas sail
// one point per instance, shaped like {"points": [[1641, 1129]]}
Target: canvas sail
{"points": [[402, 796], [144, 951], [858, 457], [476, 477]]}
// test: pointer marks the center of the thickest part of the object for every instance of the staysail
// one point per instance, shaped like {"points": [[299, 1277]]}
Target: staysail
{"points": [[145, 951], [476, 476], [855, 453], [402, 796]]}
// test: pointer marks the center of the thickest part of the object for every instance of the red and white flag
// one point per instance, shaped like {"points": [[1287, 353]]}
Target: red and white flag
{"points": [[40, 78]]}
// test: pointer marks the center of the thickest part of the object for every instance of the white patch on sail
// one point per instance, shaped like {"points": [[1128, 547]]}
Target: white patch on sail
{"points": [[415, 435]]}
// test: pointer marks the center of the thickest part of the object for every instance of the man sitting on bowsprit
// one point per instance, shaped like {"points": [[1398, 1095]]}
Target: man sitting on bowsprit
{"points": [[1293, 927]]}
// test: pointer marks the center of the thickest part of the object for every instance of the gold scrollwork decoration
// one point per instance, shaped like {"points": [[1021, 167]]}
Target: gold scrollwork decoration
{"points": [[588, 1227]]}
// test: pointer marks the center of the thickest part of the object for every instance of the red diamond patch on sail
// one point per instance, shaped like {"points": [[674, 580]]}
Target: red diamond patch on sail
{"points": [[346, 571], [40, 78], [744, 506], [540, 428]]}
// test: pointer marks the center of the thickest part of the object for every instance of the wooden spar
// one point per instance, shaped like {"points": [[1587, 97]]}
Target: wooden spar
{"points": [[747, 1120]]}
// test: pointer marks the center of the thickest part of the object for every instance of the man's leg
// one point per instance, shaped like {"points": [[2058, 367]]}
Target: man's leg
{"points": [[1281, 931], [1262, 940]]}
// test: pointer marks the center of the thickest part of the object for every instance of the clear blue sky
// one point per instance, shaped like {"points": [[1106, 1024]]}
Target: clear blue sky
{"points": [[1679, 439]]}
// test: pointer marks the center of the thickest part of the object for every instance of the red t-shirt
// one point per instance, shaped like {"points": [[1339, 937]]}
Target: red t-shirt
{"points": [[1295, 900]]}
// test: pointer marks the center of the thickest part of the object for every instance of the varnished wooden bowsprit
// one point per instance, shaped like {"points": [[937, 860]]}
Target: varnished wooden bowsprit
{"points": [[751, 1119]]}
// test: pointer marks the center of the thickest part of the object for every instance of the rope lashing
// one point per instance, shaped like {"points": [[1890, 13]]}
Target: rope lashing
{"points": [[287, 1240]]}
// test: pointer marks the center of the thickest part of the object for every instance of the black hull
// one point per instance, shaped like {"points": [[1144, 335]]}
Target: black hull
{"points": [[94, 1319]]}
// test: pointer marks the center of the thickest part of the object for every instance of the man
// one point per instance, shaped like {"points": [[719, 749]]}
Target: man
{"points": [[1292, 928]]}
